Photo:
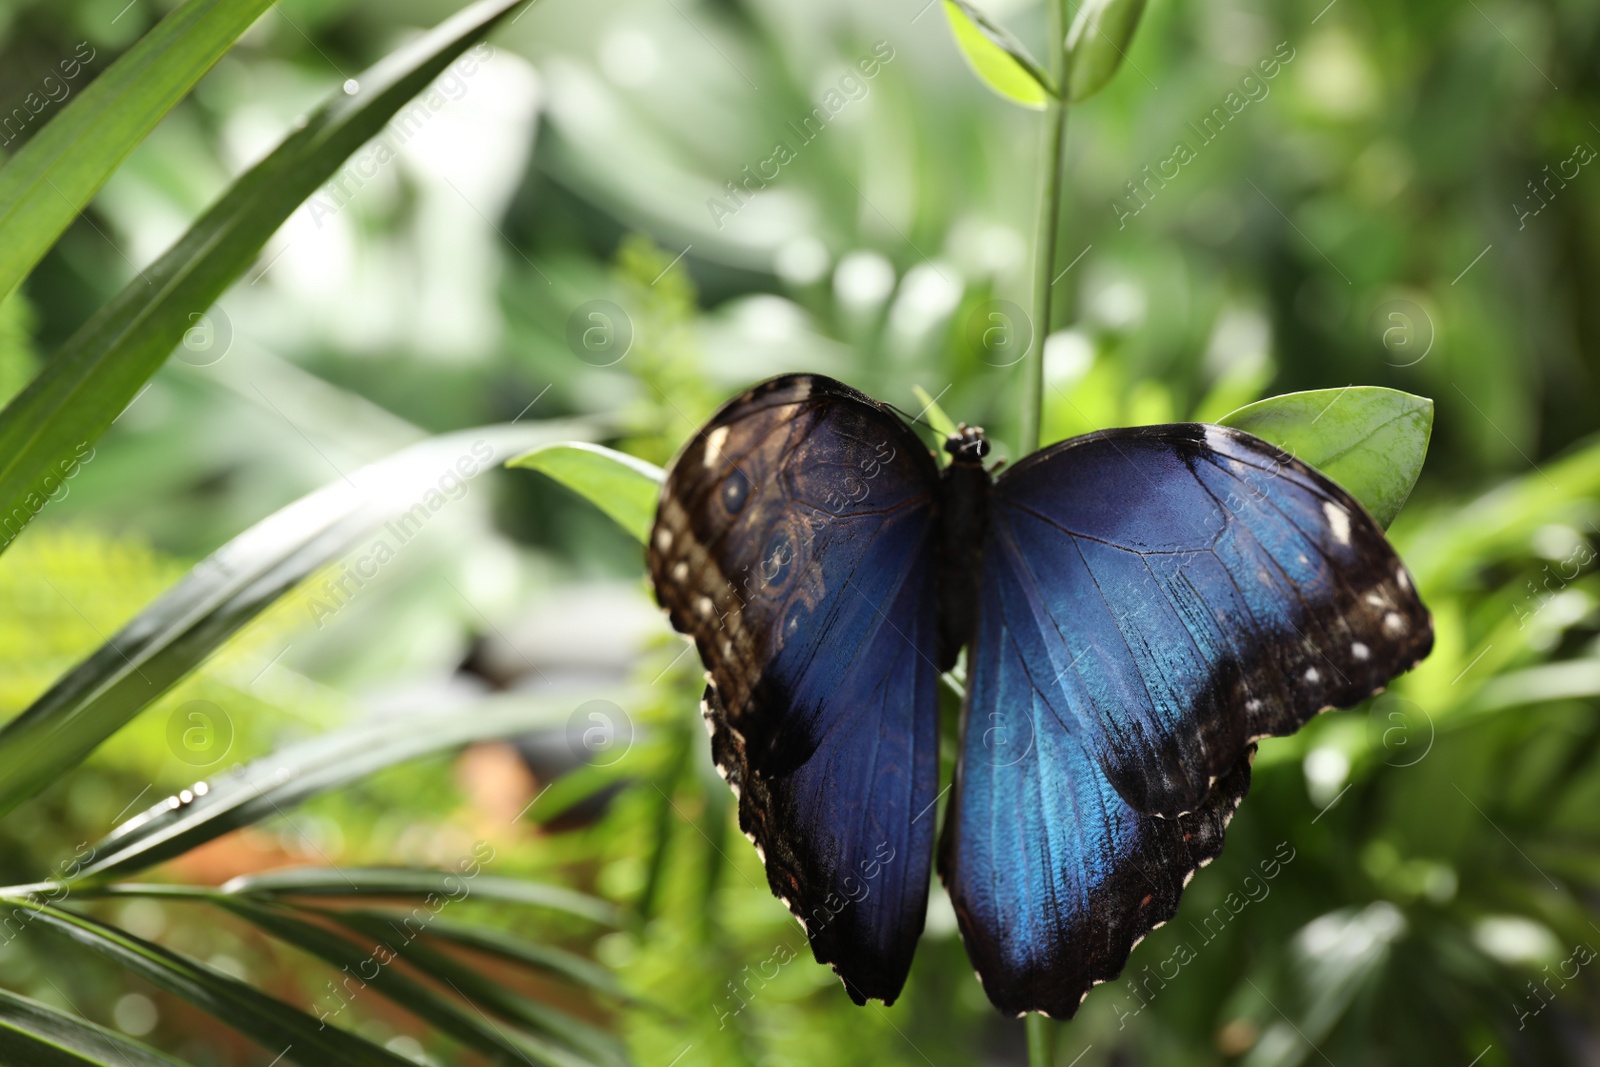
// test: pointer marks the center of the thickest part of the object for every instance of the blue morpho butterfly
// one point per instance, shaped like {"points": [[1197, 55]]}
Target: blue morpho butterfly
{"points": [[1141, 606]]}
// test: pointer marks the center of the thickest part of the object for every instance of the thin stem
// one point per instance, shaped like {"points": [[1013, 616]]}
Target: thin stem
{"points": [[1055, 138], [1039, 1050], [1049, 221]]}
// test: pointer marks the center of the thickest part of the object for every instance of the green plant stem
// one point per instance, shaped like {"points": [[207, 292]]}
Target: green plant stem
{"points": [[1038, 1040], [1055, 139], [1049, 222]]}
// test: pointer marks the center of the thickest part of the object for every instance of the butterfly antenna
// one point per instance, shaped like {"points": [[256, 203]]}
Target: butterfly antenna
{"points": [[915, 420]]}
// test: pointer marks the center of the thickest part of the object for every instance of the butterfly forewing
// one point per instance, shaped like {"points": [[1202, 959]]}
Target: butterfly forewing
{"points": [[792, 542]]}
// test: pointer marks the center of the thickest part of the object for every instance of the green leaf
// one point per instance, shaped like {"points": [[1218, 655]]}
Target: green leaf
{"points": [[94, 376], [374, 967], [40, 1036], [275, 783], [418, 882], [496, 942], [942, 424], [54, 175], [584, 784], [273, 1025], [226, 590], [1097, 43], [1370, 440], [623, 487], [408, 942], [998, 58]]}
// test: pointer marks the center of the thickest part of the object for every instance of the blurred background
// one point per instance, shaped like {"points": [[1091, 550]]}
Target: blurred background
{"points": [[586, 226]]}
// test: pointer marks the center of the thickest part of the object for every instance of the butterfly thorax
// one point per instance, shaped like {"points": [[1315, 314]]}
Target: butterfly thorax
{"points": [[961, 516]]}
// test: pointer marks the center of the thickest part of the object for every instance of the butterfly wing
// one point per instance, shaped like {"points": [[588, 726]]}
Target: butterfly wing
{"points": [[1153, 600], [792, 542]]}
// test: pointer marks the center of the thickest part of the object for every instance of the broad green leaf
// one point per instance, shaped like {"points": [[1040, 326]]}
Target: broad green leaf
{"points": [[418, 882], [277, 1028], [998, 58], [100, 369], [1370, 440], [54, 175], [226, 590], [40, 1036], [623, 487], [1097, 43], [273, 784], [373, 964]]}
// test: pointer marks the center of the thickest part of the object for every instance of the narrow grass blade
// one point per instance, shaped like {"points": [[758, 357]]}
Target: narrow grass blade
{"points": [[495, 942], [226, 590], [416, 941], [54, 175], [101, 367], [372, 966], [273, 1025], [272, 785], [40, 1036], [365, 882]]}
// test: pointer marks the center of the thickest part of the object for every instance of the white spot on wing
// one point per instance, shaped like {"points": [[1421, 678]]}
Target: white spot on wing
{"points": [[1338, 521], [1402, 579], [680, 571], [1360, 651], [1312, 675], [714, 442], [703, 607], [1394, 623], [663, 538]]}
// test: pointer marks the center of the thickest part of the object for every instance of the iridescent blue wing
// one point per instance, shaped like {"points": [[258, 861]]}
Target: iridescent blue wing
{"points": [[1153, 601], [792, 541]]}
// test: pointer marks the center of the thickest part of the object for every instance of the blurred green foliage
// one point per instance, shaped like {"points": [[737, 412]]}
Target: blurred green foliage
{"points": [[1370, 205]]}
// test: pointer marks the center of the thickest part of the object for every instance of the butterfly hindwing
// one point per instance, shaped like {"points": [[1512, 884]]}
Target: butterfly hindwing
{"points": [[792, 542], [1152, 601]]}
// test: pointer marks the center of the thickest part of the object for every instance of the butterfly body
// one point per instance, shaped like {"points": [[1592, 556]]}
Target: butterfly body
{"points": [[1139, 607], [960, 521]]}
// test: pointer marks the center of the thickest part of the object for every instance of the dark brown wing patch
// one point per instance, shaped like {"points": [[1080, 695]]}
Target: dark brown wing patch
{"points": [[792, 542]]}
